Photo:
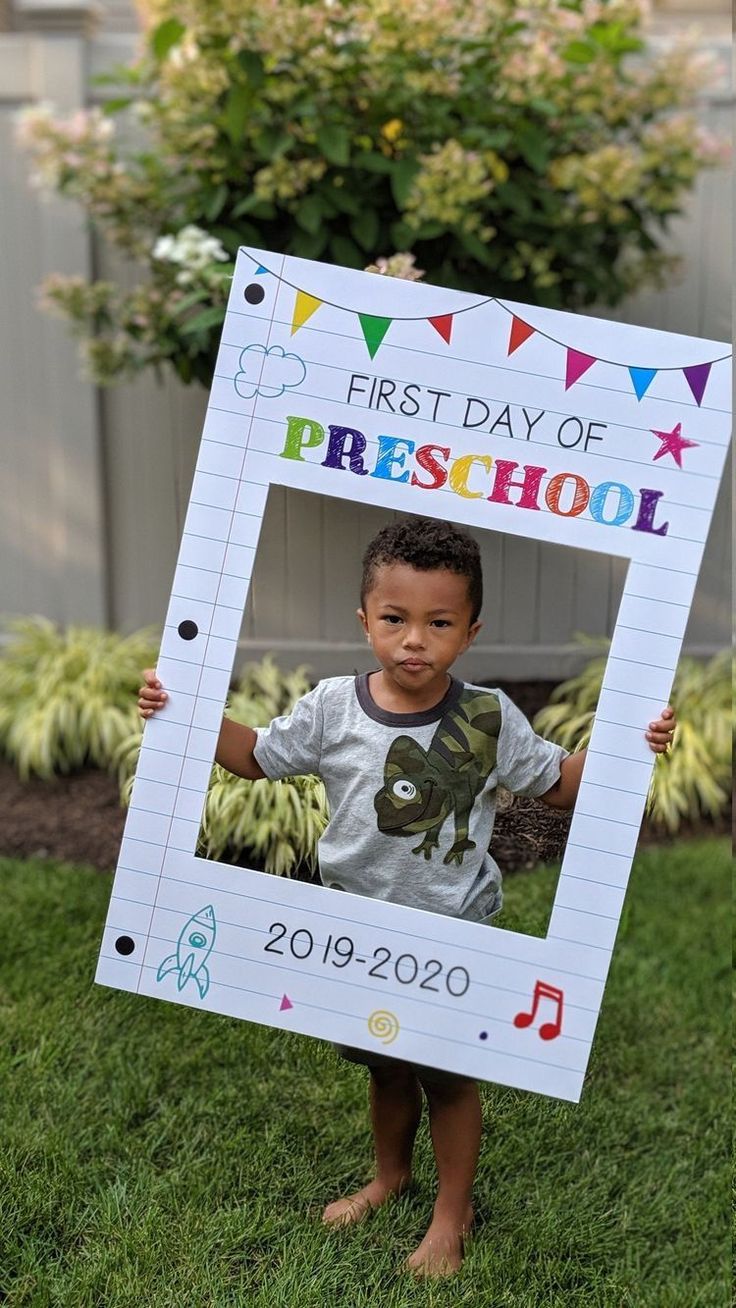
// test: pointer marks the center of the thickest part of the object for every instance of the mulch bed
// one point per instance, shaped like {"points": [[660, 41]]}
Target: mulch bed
{"points": [[78, 819]]}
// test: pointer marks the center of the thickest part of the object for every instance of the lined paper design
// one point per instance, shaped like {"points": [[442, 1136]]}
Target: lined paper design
{"points": [[492, 1004]]}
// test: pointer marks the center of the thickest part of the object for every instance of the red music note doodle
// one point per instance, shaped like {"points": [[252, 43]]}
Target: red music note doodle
{"points": [[548, 1030]]}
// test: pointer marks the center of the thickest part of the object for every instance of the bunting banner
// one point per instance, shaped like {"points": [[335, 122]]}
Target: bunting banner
{"points": [[577, 362], [418, 399]]}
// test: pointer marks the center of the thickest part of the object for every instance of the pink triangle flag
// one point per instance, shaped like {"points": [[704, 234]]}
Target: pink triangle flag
{"points": [[285, 1003], [443, 325], [577, 364], [697, 380]]}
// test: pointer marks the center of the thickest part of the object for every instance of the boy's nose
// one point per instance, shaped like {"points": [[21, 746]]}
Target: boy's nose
{"points": [[414, 638]]}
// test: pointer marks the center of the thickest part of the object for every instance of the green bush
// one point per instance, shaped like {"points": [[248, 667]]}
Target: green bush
{"points": [[68, 697], [693, 779], [536, 152], [279, 822]]}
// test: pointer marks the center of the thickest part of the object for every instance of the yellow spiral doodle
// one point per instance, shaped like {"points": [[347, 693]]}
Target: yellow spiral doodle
{"points": [[383, 1025]]}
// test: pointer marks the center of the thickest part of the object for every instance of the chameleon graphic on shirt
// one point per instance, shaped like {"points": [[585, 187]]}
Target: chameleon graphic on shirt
{"points": [[423, 788]]}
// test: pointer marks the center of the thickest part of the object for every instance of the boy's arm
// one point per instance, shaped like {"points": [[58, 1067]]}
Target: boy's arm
{"points": [[564, 792], [234, 751], [235, 743]]}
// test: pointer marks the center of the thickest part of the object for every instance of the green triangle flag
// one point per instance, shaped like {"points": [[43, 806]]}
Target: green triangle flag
{"points": [[374, 330]]}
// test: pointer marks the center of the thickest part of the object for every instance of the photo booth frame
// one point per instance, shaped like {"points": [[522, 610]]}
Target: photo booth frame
{"points": [[496, 415]]}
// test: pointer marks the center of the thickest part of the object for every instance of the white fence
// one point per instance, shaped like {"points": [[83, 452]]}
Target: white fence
{"points": [[95, 483]]}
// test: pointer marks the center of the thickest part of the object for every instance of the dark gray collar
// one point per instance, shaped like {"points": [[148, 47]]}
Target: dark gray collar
{"points": [[372, 710]]}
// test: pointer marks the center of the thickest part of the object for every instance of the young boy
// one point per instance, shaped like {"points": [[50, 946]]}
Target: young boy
{"points": [[409, 751]]}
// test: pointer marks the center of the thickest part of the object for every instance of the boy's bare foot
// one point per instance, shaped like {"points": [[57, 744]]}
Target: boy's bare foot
{"points": [[343, 1212], [441, 1251]]}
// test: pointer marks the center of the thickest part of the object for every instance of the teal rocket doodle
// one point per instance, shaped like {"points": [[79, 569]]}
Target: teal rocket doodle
{"points": [[194, 947]]}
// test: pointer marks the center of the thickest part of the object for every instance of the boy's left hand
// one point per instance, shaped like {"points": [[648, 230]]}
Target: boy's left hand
{"points": [[660, 733]]}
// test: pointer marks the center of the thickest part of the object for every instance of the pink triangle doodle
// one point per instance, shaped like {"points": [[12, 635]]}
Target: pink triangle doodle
{"points": [[285, 1003], [577, 364]]}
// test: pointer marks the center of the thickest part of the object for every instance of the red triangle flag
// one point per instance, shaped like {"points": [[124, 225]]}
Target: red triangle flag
{"points": [[443, 325], [520, 332], [577, 364]]}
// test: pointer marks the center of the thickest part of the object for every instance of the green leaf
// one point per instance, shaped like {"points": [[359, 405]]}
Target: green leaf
{"points": [[345, 252], [430, 231], [510, 195], [402, 180], [114, 106], [533, 147], [182, 305], [334, 143], [374, 163], [252, 65], [579, 52], [343, 199], [262, 210], [166, 36], [203, 321], [215, 205], [474, 246], [364, 228], [271, 143], [237, 109], [310, 214], [308, 246], [231, 237], [402, 235]]}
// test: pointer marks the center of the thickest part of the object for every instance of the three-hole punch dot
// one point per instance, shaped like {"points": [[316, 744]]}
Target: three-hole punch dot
{"points": [[188, 630], [125, 945], [254, 293], [483, 1035]]}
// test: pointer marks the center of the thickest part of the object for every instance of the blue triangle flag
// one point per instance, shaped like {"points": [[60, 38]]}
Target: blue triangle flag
{"points": [[261, 269], [642, 379]]}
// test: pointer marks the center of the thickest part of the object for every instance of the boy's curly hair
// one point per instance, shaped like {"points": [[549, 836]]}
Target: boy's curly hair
{"points": [[425, 544]]}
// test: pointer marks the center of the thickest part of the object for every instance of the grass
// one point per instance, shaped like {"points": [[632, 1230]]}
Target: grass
{"points": [[156, 1157]]}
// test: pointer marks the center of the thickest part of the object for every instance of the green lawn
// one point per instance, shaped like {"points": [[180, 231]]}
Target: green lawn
{"points": [[156, 1157]]}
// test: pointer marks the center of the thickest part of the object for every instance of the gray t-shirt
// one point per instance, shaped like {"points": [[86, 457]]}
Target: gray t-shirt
{"points": [[412, 796]]}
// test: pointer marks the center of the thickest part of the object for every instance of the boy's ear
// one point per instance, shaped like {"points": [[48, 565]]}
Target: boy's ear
{"points": [[473, 630], [364, 623]]}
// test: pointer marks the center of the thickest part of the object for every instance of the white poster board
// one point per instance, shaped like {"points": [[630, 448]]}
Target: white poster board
{"points": [[497, 415]]}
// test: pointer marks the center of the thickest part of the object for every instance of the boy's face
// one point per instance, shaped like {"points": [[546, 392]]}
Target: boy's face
{"points": [[418, 623]]}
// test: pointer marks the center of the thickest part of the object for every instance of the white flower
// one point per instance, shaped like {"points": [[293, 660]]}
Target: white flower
{"points": [[191, 248]]}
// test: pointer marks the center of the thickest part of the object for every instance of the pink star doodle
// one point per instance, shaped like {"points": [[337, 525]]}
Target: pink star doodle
{"points": [[672, 443]]}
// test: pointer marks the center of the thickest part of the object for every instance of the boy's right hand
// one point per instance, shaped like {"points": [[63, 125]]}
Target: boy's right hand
{"points": [[151, 696]]}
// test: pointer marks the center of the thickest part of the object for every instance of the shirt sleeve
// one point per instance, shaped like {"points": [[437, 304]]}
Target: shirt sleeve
{"points": [[291, 745], [527, 764]]}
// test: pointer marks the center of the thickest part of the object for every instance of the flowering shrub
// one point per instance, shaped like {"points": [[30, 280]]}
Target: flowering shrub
{"points": [[520, 149]]}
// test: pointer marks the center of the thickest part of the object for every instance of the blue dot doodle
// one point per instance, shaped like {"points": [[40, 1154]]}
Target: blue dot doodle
{"points": [[484, 1035]]}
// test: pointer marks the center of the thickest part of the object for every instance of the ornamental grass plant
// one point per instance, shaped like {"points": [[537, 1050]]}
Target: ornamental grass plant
{"points": [[533, 150], [67, 697], [277, 822], [693, 780]]}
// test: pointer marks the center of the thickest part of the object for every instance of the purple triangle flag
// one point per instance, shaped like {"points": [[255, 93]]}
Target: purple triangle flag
{"points": [[697, 379]]}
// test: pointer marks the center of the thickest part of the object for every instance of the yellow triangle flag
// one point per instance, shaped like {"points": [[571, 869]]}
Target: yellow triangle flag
{"points": [[303, 309]]}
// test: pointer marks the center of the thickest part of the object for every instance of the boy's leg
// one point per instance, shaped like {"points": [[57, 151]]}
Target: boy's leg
{"points": [[455, 1121], [396, 1107]]}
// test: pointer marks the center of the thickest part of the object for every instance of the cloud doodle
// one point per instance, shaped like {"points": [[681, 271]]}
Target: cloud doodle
{"points": [[267, 372]]}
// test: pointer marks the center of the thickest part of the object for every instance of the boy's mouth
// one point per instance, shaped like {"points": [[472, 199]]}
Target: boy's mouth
{"points": [[414, 665]]}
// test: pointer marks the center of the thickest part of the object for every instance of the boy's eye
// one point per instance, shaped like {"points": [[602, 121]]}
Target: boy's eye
{"points": [[393, 618], [441, 622]]}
